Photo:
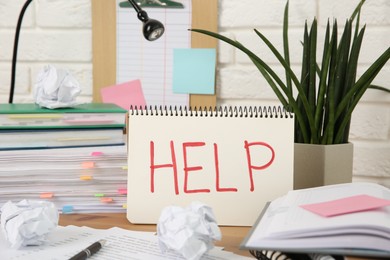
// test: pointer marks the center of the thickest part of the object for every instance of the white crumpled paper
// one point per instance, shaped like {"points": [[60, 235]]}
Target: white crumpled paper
{"points": [[189, 231], [28, 222], [56, 88]]}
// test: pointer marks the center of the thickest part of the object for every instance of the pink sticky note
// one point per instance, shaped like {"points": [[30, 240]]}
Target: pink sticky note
{"points": [[346, 205], [124, 94], [96, 154], [122, 191]]}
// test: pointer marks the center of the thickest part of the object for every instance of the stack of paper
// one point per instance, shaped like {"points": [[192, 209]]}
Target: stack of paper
{"points": [[83, 179], [345, 219], [75, 157]]}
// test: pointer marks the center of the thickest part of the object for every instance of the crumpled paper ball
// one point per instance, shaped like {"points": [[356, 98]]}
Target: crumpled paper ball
{"points": [[28, 222], [56, 88], [189, 231]]}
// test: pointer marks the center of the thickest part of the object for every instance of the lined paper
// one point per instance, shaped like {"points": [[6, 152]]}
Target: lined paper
{"points": [[152, 62], [122, 244]]}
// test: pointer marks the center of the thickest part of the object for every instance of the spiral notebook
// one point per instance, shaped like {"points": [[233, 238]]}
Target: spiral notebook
{"points": [[233, 159]]}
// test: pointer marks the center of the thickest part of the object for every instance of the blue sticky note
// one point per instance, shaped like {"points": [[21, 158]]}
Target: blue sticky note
{"points": [[194, 71], [67, 209]]}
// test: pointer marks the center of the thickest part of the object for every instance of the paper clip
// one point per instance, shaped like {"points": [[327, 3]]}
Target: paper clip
{"points": [[67, 209], [154, 3]]}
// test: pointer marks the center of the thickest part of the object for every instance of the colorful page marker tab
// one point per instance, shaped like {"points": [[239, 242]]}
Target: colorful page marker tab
{"points": [[124, 167], [124, 206], [88, 165], [99, 195], [96, 154], [67, 209], [46, 195], [122, 191], [346, 205], [86, 177], [194, 71], [125, 94], [106, 200]]}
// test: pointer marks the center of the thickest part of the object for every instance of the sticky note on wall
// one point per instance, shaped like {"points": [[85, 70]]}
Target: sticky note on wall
{"points": [[194, 71], [125, 94]]}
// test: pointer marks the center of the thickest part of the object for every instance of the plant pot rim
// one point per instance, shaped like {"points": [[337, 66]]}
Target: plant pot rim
{"points": [[343, 144]]}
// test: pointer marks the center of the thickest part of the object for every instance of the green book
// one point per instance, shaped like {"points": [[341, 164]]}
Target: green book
{"points": [[88, 115]]}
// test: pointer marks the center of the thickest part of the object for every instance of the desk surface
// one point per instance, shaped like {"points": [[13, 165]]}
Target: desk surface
{"points": [[231, 236]]}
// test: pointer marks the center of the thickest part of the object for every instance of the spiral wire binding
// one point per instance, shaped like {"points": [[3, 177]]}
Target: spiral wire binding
{"points": [[276, 255], [220, 111], [269, 255]]}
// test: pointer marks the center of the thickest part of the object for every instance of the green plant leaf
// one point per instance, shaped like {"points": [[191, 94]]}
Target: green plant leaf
{"points": [[357, 10], [301, 92], [312, 92], [330, 103], [323, 75], [379, 88], [286, 47], [359, 89]]}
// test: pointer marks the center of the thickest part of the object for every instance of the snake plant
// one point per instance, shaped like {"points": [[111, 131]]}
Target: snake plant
{"points": [[326, 93]]}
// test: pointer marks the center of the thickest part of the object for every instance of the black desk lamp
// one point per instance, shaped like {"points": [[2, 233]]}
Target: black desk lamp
{"points": [[152, 30]]}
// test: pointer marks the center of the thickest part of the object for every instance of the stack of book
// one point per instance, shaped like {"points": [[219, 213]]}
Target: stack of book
{"points": [[30, 126], [74, 157]]}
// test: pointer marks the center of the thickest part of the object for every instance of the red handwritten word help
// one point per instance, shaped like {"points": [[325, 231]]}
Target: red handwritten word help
{"points": [[189, 168]]}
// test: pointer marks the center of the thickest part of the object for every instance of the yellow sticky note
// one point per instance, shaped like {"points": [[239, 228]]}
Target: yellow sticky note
{"points": [[85, 177], [34, 116]]}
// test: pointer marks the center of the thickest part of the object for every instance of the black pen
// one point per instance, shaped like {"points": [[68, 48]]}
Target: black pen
{"points": [[92, 249]]}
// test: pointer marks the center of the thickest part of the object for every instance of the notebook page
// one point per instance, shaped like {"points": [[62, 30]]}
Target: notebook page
{"points": [[152, 62]]}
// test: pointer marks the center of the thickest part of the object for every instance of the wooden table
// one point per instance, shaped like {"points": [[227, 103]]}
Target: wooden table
{"points": [[231, 236]]}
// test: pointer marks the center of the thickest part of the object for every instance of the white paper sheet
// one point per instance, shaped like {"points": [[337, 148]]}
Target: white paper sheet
{"points": [[121, 244]]}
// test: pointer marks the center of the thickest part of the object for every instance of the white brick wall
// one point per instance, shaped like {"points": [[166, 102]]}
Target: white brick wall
{"points": [[59, 32], [54, 32]]}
